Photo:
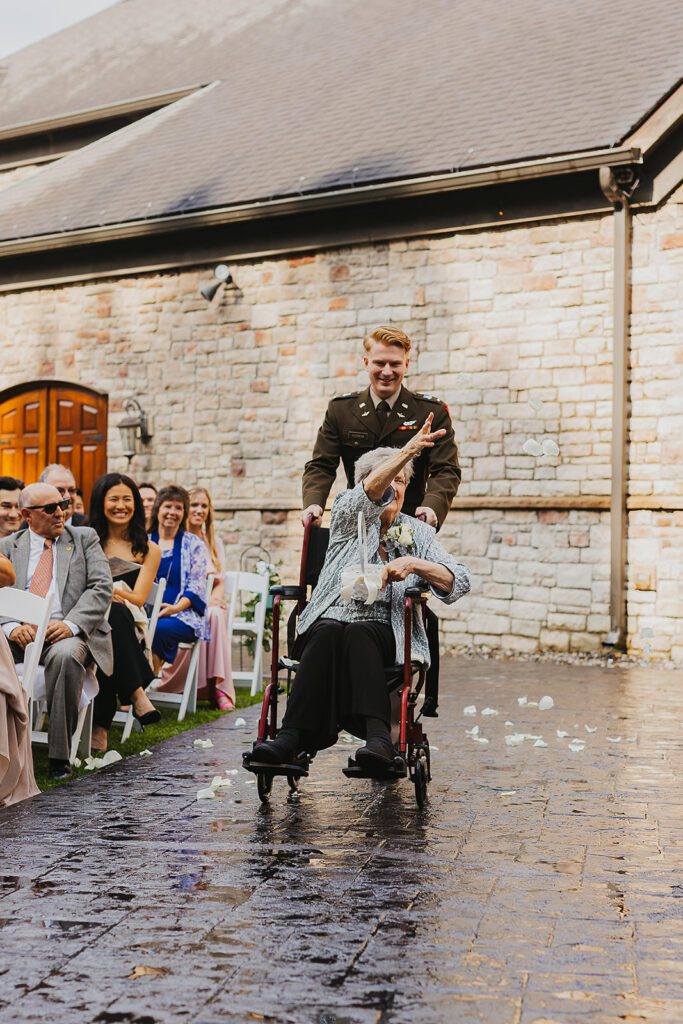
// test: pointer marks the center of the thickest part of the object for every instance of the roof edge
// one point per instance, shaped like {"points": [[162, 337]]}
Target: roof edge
{"points": [[378, 192], [659, 123], [140, 104]]}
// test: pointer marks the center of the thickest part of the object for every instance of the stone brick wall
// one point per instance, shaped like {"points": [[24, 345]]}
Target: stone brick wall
{"points": [[512, 328]]}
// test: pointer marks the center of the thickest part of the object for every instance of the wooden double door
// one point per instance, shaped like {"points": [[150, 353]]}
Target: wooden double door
{"points": [[53, 422]]}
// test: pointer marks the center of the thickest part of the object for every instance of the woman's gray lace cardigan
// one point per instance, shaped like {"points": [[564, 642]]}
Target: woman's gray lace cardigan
{"points": [[343, 551]]}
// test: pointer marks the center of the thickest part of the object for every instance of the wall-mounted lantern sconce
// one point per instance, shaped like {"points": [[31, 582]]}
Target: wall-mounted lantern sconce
{"points": [[133, 425], [223, 276]]}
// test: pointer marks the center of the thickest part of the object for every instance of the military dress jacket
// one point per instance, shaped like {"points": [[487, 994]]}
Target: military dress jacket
{"points": [[352, 427]]}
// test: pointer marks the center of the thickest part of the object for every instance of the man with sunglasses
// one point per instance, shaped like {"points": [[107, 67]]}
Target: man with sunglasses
{"points": [[66, 561], [63, 479]]}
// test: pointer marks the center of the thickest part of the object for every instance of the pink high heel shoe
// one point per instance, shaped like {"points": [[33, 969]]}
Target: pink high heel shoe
{"points": [[223, 702]]}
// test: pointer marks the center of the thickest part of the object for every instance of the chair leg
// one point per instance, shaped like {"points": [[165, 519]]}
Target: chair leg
{"points": [[82, 738], [128, 727], [256, 675]]}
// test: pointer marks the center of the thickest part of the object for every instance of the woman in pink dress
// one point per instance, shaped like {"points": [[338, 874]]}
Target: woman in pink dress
{"points": [[215, 670], [16, 760]]}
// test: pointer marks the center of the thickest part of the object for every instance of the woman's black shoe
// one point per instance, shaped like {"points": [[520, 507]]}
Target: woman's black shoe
{"points": [[377, 755], [149, 717]]}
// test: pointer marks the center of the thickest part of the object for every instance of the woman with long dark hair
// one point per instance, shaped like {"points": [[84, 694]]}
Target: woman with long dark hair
{"points": [[118, 517]]}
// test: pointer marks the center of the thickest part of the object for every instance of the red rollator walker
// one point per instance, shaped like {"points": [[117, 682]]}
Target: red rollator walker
{"points": [[405, 683]]}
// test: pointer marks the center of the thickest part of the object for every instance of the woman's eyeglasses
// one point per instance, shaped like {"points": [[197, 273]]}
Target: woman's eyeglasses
{"points": [[52, 506]]}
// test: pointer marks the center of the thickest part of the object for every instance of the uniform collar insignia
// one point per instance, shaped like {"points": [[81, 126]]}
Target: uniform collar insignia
{"points": [[404, 405], [366, 413], [361, 405], [402, 415]]}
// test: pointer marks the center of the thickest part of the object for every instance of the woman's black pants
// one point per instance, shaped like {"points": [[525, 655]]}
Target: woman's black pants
{"points": [[340, 680], [131, 668]]}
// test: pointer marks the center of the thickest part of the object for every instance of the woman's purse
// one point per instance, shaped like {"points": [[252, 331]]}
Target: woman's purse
{"points": [[362, 582]]}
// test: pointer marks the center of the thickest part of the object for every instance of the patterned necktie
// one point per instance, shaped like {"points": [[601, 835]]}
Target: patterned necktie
{"points": [[41, 581]]}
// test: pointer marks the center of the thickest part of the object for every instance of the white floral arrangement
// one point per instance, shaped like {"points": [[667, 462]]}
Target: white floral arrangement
{"points": [[401, 535]]}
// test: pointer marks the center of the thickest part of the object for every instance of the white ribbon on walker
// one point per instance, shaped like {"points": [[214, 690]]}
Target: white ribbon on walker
{"points": [[361, 582]]}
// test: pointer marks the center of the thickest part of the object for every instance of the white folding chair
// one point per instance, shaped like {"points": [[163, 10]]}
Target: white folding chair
{"points": [[187, 700], [23, 606], [230, 580], [251, 583], [156, 595]]}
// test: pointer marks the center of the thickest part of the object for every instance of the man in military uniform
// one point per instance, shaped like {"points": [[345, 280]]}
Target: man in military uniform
{"points": [[382, 415]]}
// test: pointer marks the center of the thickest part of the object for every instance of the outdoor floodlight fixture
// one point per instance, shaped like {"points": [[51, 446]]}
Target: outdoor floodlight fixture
{"points": [[222, 275], [133, 425]]}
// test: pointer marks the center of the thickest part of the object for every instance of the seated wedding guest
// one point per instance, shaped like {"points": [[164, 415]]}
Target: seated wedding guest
{"points": [[63, 479], [67, 562], [148, 493], [16, 761], [215, 673], [10, 516], [185, 566], [344, 645], [117, 516], [78, 503]]}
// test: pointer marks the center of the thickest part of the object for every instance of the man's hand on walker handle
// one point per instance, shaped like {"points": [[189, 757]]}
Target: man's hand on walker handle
{"points": [[315, 511]]}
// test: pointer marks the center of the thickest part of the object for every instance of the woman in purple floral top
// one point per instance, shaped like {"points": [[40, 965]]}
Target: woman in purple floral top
{"points": [[184, 566]]}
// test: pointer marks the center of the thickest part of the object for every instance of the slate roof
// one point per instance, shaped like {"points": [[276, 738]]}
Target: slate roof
{"points": [[311, 95]]}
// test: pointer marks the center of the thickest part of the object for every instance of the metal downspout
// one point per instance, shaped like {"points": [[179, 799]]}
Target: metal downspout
{"points": [[618, 187]]}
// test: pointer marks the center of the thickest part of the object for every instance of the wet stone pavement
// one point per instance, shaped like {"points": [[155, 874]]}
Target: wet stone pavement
{"points": [[541, 884]]}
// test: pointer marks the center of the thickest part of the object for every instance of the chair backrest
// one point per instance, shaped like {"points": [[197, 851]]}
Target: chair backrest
{"points": [[156, 596], [23, 606], [255, 583]]}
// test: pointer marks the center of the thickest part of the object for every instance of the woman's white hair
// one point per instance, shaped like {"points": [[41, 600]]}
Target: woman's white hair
{"points": [[370, 460]]}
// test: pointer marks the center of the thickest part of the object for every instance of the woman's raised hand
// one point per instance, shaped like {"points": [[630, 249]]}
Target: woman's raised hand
{"points": [[424, 438]]}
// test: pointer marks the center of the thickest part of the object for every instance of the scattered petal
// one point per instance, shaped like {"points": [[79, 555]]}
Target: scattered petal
{"points": [[561, 734], [532, 447], [77, 762], [489, 711], [480, 739], [231, 771], [631, 739], [514, 739], [540, 743], [576, 748], [145, 753], [142, 970], [203, 744], [240, 723], [546, 703], [614, 739], [507, 792], [471, 709], [531, 736], [512, 723], [206, 794], [92, 764], [474, 731], [550, 447], [111, 757], [591, 728], [218, 782], [432, 747], [532, 703], [521, 701], [250, 782]]}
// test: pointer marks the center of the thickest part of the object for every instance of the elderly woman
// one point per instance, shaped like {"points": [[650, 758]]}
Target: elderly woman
{"points": [[343, 645]]}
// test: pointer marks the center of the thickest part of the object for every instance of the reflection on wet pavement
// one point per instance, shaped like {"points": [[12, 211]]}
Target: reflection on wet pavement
{"points": [[540, 884]]}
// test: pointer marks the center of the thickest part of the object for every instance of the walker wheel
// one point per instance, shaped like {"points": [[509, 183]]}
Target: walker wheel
{"points": [[264, 784], [420, 780]]}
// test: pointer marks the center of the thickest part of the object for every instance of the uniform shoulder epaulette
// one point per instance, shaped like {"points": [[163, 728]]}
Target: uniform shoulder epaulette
{"points": [[347, 394], [428, 398]]}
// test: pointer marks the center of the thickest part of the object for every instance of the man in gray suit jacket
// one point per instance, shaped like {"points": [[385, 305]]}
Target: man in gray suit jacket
{"points": [[68, 562]]}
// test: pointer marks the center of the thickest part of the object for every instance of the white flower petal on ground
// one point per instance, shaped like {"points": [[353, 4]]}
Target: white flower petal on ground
{"points": [[550, 447], [480, 739], [591, 728], [509, 724], [540, 743], [532, 447], [231, 771], [219, 782], [546, 703], [514, 739], [203, 744], [111, 757], [250, 782], [532, 703], [471, 709], [561, 734], [614, 739], [522, 701], [474, 731], [93, 764], [507, 792], [206, 794], [532, 736], [145, 753], [240, 723], [489, 711], [576, 748]]}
